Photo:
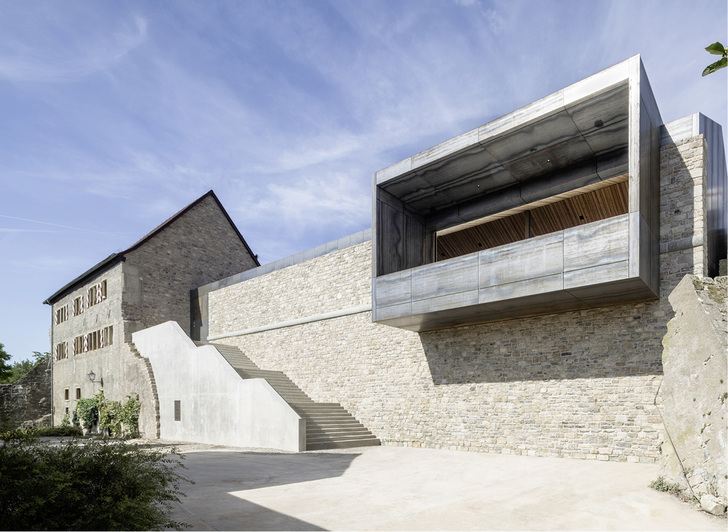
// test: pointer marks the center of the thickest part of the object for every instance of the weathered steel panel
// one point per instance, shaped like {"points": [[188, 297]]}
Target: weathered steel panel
{"points": [[550, 104], [447, 277], [553, 183], [403, 310], [450, 147], [528, 259], [596, 243], [390, 239], [393, 288], [538, 304], [519, 289], [603, 273], [595, 112], [521, 142], [445, 302]]}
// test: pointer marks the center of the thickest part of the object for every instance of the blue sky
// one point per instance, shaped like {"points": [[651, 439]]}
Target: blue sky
{"points": [[116, 114]]}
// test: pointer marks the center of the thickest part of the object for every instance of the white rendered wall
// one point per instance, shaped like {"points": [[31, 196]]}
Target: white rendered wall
{"points": [[217, 405]]}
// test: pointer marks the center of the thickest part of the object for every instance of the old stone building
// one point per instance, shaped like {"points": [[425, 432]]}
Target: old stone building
{"points": [[95, 314], [511, 296]]}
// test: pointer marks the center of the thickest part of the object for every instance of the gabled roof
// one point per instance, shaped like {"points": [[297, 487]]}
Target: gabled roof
{"points": [[115, 258]]}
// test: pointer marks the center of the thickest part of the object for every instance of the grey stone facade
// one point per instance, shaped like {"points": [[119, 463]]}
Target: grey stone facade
{"points": [[147, 284], [578, 384]]}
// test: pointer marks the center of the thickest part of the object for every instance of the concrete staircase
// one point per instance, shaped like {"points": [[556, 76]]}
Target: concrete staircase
{"points": [[328, 425]]}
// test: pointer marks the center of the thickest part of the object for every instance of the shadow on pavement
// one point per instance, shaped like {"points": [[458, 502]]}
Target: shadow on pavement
{"points": [[210, 503]]}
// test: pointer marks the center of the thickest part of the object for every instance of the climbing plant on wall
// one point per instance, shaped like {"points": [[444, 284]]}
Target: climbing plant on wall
{"points": [[109, 414]]}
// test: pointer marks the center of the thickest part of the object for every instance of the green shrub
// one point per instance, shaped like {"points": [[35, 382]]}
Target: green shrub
{"points": [[87, 485], [130, 414], [663, 485], [19, 434], [59, 431]]}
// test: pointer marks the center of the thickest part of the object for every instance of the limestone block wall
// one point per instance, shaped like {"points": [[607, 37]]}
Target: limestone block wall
{"points": [[26, 402], [579, 384]]}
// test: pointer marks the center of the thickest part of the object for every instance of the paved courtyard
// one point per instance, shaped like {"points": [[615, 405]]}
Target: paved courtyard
{"points": [[395, 488]]}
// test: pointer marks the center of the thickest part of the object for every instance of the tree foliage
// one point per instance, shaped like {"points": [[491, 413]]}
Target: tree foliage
{"points": [[89, 485], [12, 372], [5, 368], [716, 49]]}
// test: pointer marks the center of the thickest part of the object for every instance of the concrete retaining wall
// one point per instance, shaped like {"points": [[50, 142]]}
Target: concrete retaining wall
{"points": [[215, 405]]}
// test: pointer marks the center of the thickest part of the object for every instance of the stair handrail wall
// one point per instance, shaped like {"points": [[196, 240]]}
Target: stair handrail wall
{"points": [[203, 399]]}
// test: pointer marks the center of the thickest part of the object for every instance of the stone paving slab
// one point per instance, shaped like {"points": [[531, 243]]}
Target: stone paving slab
{"points": [[396, 488]]}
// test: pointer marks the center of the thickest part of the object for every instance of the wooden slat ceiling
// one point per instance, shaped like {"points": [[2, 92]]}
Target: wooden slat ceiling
{"points": [[589, 206]]}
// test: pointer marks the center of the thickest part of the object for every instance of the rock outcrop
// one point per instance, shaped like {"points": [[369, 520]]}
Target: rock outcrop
{"points": [[694, 389]]}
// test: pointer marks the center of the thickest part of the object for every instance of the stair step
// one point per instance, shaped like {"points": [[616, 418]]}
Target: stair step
{"points": [[328, 425], [342, 444], [330, 434], [341, 438]]}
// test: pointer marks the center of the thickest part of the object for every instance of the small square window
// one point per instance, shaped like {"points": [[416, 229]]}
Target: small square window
{"points": [[67, 394], [78, 393]]}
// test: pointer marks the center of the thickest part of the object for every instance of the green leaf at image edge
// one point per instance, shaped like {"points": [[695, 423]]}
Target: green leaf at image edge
{"points": [[716, 48], [722, 63]]}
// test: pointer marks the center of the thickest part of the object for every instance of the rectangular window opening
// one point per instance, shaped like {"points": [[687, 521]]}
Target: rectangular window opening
{"points": [[78, 393], [67, 394], [177, 411]]}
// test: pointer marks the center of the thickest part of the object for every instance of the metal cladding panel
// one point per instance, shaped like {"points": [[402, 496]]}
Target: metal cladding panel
{"points": [[447, 277], [594, 275], [612, 293], [597, 243], [521, 261], [547, 284], [403, 310], [609, 108], [538, 304], [521, 142], [445, 302], [394, 289], [716, 193]]}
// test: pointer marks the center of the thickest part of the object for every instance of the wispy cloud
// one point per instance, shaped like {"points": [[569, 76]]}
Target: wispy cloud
{"points": [[13, 230], [79, 229], [48, 50]]}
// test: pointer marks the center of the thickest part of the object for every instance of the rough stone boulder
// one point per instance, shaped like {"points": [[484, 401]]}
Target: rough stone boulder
{"points": [[694, 388]]}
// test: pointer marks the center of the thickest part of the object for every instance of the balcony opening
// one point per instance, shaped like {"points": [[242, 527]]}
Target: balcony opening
{"points": [[580, 206]]}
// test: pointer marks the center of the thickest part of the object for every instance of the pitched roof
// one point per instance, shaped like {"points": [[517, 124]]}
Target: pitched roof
{"points": [[115, 258]]}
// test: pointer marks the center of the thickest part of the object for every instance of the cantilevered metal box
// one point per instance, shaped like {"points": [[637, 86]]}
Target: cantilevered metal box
{"points": [[552, 207]]}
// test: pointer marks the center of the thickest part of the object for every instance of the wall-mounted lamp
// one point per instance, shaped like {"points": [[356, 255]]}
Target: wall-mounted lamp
{"points": [[92, 378]]}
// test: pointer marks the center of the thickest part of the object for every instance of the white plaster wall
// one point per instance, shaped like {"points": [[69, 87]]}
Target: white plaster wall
{"points": [[217, 405]]}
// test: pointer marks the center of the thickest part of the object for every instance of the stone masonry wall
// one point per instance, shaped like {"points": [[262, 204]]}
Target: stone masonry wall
{"points": [[196, 249], [579, 384], [151, 286], [26, 402], [118, 371]]}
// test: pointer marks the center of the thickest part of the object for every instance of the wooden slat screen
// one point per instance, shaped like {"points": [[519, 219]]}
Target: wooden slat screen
{"points": [[584, 208]]}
